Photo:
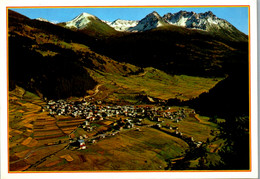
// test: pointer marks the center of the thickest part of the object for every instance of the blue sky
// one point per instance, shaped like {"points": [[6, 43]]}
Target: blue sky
{"points": [[237, 16]]}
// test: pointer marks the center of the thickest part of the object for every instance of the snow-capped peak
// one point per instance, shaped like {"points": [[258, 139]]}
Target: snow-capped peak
{"points": [[80, 21], [202, 21], [193, 20], [154, 13], [151, 21], [152, 16], [122, 25], [83, 15]]}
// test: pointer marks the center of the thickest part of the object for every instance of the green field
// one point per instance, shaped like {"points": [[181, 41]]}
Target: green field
{"points": [[131, 149], [154, 83]]}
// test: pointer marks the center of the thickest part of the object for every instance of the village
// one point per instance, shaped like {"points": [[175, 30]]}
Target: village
{"points": [[116, 119]]}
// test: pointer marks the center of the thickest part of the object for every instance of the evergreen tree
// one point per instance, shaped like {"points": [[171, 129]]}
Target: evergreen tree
{"points": [[235, 153]]}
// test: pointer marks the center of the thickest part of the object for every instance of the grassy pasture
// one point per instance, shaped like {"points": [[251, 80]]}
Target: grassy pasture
{"points": [[131, 150], [155, 83], [191, 127], [135, 150]]}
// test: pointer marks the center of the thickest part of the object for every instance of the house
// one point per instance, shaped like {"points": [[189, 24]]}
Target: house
{"points": [[82, 144], [198, 144], [87, 123], [159, 125], [102, 136]]}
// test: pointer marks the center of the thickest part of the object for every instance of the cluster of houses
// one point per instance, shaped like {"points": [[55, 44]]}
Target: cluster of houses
{"points": [[112, 129], [179, 134], [92, 112], [188, 140], [128, 117], [118, 126], [81, 142]]}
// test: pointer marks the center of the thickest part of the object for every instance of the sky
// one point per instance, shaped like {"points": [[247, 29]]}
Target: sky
{"points": [[237, 16]]}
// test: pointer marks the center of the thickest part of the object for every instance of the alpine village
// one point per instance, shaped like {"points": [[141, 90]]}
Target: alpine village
{"points": [[162, 93]]}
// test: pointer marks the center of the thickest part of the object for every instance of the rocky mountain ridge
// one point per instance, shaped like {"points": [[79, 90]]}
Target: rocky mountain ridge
{"points": [[201, 21], [206, 22], [122, 25]]}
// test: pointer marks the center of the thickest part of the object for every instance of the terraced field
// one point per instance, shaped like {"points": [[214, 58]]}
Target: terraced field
{"points": [[130, 150], [33, 134], [40, 142]]}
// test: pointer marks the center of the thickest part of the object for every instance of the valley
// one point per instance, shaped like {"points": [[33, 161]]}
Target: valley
{"points": [[149, 95], [146, 135]]}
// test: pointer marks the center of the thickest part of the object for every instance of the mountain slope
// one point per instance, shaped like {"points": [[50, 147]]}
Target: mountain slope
{"points": [[89, 24], [200, 21], [55, 68], [42, 19], [81, 21], [193, 20], [176, 50], [205, 21], [151, 21], [229, 97], [122, 25]]}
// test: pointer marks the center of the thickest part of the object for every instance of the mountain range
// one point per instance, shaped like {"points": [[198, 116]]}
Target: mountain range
{"points": [[59, 61], [200, 21], [176, 38]]}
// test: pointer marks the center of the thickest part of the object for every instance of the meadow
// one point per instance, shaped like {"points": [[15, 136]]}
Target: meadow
{"points": [[154, 83]]}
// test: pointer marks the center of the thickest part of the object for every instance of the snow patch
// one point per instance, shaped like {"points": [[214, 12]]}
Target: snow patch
{"points": [[42, 19], [81, 21], [193, 20], [122, 25]]}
